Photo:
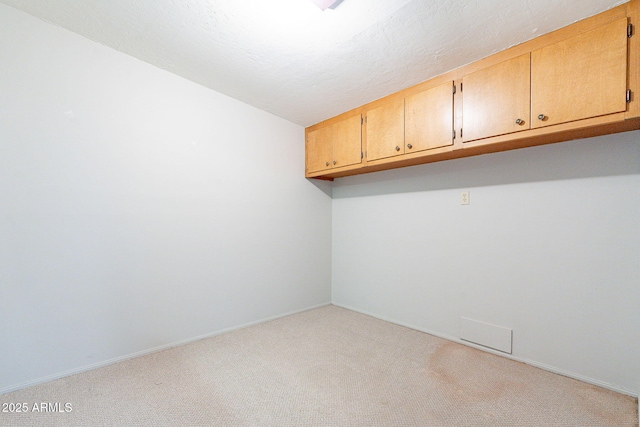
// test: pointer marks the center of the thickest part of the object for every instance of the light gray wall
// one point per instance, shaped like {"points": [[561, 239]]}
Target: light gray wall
{"points": [[549, 246], [138, 209]]}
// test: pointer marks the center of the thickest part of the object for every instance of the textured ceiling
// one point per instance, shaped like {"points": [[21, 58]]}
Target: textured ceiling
{"points": [[292, 59]]}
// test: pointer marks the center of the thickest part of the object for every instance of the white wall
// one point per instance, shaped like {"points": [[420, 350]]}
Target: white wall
{"points": [[138, 209], [549, 246]]}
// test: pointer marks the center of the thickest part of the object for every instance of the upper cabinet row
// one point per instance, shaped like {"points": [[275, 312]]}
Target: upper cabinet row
{"points": [[581, 77], [575, 82], [335, 146], [411, 124]]}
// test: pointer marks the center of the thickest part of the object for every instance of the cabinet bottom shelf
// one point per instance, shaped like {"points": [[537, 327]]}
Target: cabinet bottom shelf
{"points": [[588, 128]]}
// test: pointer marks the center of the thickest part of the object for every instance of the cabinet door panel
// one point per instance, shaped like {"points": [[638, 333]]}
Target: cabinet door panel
{"points": [[347, 142], [319, 149], [581, 77], [385, 130], [496, 100], [429, 119]]}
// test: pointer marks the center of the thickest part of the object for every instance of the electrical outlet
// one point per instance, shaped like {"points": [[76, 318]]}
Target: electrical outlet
{"points": [[464, 198]]}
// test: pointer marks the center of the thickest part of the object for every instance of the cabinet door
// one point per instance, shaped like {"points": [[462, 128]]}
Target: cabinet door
{"points": [[385, 130], [496, 99], [581, 77], [347, 142], [319, 149], [429, 119]]}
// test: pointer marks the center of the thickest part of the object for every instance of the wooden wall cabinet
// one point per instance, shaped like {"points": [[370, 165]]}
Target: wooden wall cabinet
{"points": [[577, 82], [319, 150], [496, 100], [335, 146], [581, 77], [429, 119], [385, 130], [575, 79], [421, 121]]}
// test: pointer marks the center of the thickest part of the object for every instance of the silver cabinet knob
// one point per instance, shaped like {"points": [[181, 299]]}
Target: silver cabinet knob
{"points": [[519, 121], [334, 162], [541, 117], [327, 163], [409, 146], [397, 148]]}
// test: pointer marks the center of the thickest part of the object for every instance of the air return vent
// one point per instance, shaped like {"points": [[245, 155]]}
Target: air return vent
{"points": [[485, 334]]}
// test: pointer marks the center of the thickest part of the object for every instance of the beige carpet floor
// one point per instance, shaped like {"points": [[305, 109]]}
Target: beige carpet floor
{"points": [[323, 367]]}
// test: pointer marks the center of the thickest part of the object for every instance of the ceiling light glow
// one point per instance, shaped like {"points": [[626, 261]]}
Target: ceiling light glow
{"points": [[323, 4]]}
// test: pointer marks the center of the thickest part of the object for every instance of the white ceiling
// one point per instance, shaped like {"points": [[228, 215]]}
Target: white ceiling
{"points": [[292, 59]]}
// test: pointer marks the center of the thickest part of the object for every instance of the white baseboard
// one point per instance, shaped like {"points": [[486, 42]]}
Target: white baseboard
{"points": [[499, 353], [104, 363]]}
